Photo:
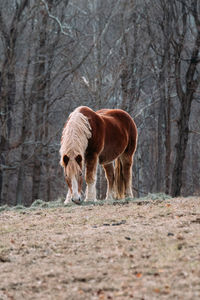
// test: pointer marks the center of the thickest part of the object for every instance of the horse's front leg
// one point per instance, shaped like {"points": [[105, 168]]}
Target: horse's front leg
{"points": [[90, 177], [68, 197]]}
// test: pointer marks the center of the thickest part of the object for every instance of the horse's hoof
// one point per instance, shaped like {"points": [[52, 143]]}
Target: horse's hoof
{"points": [[91, 200], [66, 202]]}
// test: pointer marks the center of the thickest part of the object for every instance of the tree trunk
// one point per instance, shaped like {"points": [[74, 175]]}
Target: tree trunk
{"points": [[183, 132], [168, 143], [39, 88], [168, 127], [20, 199], [161, 131]]}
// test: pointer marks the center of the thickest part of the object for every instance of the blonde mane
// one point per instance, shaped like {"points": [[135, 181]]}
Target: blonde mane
{"points": [[75, 136]]}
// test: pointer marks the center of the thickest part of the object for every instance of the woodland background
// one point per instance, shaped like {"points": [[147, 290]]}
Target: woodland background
{"points": [[138, 55]]}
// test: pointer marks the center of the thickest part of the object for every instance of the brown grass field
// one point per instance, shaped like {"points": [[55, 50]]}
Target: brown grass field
{"points": [[139, 249]]}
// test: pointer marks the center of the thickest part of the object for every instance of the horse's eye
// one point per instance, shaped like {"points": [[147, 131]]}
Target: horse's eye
{"points": [[80, 173]]}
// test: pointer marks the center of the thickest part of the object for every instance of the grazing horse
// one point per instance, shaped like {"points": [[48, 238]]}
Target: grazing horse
{"points": [[89, 138]]}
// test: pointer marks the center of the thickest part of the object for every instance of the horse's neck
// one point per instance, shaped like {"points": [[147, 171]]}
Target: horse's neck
{"points": [[76, 135]]}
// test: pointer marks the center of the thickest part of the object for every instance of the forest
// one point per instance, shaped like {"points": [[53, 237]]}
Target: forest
{"points": [[142, 56]]}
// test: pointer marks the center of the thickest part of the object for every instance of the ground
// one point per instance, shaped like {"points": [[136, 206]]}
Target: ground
{"points": [[142, 249]]}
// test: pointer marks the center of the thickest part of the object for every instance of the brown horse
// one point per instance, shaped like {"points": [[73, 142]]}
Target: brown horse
{"points": [[104, 136]]}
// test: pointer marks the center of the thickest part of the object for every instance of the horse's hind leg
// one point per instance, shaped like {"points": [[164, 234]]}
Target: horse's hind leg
{"points": [[127, 162], [90, 177], [109, 172]]}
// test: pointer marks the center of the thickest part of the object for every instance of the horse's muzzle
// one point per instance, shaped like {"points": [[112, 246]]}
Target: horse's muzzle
{"points": [[78, 201]]}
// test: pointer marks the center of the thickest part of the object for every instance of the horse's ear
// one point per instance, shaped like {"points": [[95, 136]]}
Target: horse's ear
{"points": [[65, 159], [78, 159]]}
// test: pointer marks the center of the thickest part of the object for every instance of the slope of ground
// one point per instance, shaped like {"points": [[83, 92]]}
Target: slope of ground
{"points": [[143, 249]]}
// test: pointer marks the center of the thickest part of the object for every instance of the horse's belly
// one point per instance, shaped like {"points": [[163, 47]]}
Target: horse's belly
{"points": [[109, 154], [105, 159]]}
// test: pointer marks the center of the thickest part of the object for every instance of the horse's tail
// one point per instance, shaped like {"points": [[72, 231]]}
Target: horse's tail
{"points": [[119, 180]]}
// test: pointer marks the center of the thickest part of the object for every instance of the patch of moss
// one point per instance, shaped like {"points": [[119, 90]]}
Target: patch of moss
{"points": [[39, 203], [18, 207], [4, 207], [57, 203], [158, 196]]}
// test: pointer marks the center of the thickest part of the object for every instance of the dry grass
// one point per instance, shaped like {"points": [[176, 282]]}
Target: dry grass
{"points": [[143, 249]]}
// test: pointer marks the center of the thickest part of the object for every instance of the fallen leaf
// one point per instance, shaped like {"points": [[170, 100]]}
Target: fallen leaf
{"points": [[138, 275], [156, 290]]}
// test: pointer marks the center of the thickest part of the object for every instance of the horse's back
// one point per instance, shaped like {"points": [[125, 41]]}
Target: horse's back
{"points": [[120, 133], [121, 119], [117, 115]]}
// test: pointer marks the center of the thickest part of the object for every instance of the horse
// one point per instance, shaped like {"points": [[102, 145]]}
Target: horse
{"points": [[107, 137]]}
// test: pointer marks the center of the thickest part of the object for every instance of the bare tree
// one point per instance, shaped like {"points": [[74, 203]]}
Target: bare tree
{"points": [[160, 33], [9, 34], [187, 77]]}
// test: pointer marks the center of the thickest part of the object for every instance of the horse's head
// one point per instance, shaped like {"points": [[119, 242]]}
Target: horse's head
{"points": [[73, 166]]}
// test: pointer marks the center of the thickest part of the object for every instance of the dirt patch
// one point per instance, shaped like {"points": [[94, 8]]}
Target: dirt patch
{"points": [[135, 250]]}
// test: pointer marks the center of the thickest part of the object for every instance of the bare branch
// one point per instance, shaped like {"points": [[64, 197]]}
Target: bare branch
{"points": [[194, 131], [56, 20]]}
